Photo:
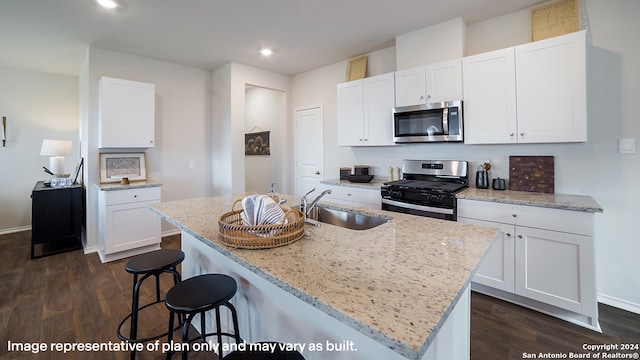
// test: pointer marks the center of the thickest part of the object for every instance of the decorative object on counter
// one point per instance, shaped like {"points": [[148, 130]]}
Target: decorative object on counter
{"points": [[344, 172], [233, 233], [4, 131], [398, 173], [124, 181], [257, 143], [360, 178], [56, 150], [261, 210], [532, 173], [357, 68], [390, 173], [361, 170], [499, 184], [482, 176], [79, 168], [115, 166]]}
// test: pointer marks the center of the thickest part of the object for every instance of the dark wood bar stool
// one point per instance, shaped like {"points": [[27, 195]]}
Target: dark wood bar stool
{"points": [[264, 355], [197, 295], [143, 266]]}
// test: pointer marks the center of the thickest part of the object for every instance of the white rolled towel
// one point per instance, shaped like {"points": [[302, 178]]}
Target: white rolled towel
{"points": [[261, 210]]}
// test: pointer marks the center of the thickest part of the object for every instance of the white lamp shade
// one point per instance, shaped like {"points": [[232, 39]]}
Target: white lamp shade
{"points": [[56, 147]]}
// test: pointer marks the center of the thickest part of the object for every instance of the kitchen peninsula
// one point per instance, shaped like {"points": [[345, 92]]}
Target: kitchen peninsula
{"points": [[397, 291]]}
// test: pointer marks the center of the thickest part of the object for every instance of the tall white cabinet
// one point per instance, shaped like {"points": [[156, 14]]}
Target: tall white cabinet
{"points": [[126, 113], [532, 93], [365, 111], [544, 258]]}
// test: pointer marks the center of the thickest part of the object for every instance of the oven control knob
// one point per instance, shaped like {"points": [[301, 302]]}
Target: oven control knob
{"points": [[395, 194]]}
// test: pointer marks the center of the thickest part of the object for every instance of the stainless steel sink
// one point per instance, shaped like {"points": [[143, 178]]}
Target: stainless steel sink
{"points": [[346, 218]]}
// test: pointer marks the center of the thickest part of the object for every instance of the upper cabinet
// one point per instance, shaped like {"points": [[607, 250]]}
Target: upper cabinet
{"points": [[365, 111], [532, 93], [430, 83], [126, 113]]}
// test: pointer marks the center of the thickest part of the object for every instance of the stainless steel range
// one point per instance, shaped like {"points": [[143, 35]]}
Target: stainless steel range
{"points": [[428, 188]]}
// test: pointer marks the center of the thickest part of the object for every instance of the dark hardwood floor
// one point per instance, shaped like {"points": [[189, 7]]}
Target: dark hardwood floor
{"points": [[74, 298]]}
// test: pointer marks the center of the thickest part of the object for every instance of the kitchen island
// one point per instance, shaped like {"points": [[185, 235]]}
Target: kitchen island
{"points": [[397, 291]]}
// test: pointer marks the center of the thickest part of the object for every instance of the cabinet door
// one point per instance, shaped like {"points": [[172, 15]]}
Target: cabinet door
{"points": [[411, 86], [490, 98], [126, 114], [349, 195], [130, 226], [497, 267], [350, 113], [554, 267], [444, 81], [378, 110], [551, 90]]}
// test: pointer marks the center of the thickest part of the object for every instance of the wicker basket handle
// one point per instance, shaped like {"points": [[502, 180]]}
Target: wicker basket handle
{"points": [[234, 204]]}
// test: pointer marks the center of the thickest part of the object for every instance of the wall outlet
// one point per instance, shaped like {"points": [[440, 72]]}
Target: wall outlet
{"points": [[192, 164], [627, 146]]}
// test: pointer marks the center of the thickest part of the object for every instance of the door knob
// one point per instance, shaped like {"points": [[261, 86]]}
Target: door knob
{"points": [[317, 172]]}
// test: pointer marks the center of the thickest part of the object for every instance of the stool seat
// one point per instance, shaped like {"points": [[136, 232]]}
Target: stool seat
{"points": [[155, 262], [201, 293], [197, 295], [277, 354]]}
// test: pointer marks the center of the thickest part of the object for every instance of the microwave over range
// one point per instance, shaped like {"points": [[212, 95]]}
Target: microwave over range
{"points": [[434, 122]]}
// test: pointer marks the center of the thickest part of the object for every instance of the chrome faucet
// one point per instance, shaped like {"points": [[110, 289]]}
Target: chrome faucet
{"points": [[306, 208]]}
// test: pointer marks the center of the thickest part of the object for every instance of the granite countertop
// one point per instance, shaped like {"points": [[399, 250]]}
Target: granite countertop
{"points": [[396, 283], [555, 201], [132, 185], [374, 184]]}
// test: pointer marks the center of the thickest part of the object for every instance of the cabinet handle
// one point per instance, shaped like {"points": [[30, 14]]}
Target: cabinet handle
{"points": [[510, 134], [514, 215], [348, 194], [421, 97], [519, 236], [508, 234], [521, 134], [135, 196]]}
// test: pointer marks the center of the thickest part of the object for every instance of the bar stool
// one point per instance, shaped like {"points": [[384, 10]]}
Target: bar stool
{"points": [[278, 354], [153, 263], [197, 295]]}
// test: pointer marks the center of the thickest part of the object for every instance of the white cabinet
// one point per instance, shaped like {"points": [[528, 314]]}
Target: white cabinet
{"points": [[430, 83], [545, 255], [532, 93], [356, 196], [490, 98], [365, 111], [126, 225], [126, 113]]}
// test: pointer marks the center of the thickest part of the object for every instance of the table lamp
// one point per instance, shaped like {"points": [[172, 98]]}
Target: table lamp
{"points": [[57, 150]]}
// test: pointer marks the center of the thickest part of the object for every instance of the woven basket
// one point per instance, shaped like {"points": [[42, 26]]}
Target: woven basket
{"points": [[235, 234]]}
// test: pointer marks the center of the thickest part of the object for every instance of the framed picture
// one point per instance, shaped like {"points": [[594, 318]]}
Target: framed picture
{"points": [[115, 166], [257, 143]]}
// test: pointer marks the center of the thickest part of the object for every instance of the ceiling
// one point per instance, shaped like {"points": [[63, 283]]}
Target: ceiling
{"points": [[52, 36]]}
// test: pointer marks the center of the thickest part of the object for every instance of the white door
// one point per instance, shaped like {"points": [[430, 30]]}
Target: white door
{"points": [[308, 149]]}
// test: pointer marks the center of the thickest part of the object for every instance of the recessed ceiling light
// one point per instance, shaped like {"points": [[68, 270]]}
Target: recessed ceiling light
{"points": [[109, 4], [266, 52]]}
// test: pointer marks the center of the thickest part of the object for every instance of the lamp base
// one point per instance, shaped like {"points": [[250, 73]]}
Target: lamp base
{"points": [[56, 165]]}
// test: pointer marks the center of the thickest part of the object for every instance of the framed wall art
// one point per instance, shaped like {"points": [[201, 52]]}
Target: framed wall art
{"points": [[115, 166], [257, 143]]}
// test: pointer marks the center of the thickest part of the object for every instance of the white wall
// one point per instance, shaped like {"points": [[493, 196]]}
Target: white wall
{"points": [[182, 127], [593, 168], [265, 110], [37, 106], [416, 48]]}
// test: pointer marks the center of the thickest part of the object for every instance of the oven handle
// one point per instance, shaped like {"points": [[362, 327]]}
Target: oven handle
{"points": [[418, 207]]}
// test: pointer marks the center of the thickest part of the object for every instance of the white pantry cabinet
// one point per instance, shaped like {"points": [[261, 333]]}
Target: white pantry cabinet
{"points": [[365, 111], [126, 225], [531, 93], [545, 255], [126, 113], [431, 83]]}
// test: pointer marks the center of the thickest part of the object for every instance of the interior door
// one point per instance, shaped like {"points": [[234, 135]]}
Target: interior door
{"points": [[308, 149]]}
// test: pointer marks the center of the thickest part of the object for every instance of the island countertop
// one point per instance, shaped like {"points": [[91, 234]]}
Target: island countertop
{"points": [[396, 283]]}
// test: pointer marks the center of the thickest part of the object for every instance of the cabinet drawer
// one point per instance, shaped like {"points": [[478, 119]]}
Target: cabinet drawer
{"points": [[115, 197], [358, 196], [575, 222]]}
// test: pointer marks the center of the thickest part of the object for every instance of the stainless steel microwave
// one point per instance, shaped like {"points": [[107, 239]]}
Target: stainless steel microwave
{"points": [[435, 122]]}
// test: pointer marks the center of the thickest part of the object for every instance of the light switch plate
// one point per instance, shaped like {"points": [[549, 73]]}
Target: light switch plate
{"points": [[627, 146]]}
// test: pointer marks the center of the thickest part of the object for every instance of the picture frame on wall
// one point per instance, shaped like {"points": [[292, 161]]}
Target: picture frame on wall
{"points": [[257, 143], [116, 166]]}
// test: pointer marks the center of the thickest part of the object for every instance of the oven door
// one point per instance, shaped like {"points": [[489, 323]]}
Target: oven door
{"points": [[420, 210]]}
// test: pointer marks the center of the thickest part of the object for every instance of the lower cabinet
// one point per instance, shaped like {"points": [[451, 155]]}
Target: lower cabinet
{"points": [[544, 255], [351, 195], [126, 225]]}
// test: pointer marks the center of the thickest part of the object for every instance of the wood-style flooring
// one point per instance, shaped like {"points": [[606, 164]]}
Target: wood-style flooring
{"points": [[74, 298]]}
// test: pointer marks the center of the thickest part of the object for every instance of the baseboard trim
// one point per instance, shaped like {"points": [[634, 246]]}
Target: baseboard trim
{"points": [[15, 230], [171, 232], [619, 303]]}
